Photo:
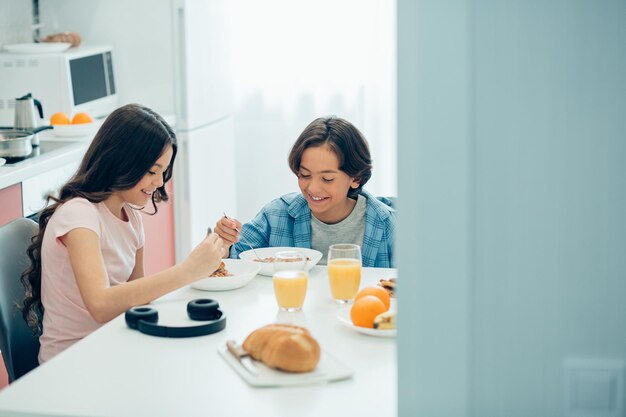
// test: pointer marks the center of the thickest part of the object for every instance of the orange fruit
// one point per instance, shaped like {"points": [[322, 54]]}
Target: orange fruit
{"points": [[59, 118], [81, 118], [379, 292], [365, 309]]}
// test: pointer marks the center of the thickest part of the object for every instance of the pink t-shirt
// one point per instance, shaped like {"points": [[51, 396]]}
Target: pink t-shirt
{"points": [[66, 319]]}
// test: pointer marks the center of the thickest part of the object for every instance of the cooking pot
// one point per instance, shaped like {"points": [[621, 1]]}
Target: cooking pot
{"points": [[18, 143]]}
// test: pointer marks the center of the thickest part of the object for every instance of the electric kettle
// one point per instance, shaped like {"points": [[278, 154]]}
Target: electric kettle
{"points": [[26, 119]]}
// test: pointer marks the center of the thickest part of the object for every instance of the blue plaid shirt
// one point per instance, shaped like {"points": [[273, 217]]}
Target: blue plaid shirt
{"points": [[286, 221]]}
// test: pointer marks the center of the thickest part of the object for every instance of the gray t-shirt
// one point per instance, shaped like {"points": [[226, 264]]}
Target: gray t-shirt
{"points": [[349, 230]]}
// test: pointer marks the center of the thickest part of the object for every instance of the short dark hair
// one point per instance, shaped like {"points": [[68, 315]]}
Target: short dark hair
{"points": [[344, 139]]}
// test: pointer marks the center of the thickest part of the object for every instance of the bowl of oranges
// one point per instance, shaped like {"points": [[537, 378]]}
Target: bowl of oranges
{"points": [[81, 124], [373, 313]]}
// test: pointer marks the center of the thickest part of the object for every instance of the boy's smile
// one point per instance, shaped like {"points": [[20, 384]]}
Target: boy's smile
{"points": [[324, 185]]}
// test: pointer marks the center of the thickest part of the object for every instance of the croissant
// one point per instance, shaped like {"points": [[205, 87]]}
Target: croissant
{"points": [[285, 347], [72, 38]]}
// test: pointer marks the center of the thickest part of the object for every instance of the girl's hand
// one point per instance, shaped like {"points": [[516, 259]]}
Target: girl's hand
{"points": [[205, 258], [228, 229]]}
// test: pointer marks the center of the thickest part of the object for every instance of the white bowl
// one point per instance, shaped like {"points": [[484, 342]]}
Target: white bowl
{"points": [[74, 130], [267, 268], [242, 273]]}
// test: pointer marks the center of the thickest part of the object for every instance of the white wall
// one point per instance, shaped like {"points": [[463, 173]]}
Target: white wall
{"points": [[512, 183], [15, 22], [296, 61], [140, 32]]}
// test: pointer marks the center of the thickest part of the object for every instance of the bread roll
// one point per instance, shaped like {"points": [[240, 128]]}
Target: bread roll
{"points": [[285, 347], [70, 37]]}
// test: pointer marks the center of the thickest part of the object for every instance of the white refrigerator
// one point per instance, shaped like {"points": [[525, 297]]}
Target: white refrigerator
{"points": [[205, 172]]}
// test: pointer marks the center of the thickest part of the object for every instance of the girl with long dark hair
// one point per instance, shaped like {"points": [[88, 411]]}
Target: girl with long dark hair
{"points": [[88, 256]]}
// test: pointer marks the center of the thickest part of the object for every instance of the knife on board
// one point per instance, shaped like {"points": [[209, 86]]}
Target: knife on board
{"points": [[242, 356]]}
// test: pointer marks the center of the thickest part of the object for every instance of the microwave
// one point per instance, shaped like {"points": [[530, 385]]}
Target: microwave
{"points": [[77, 80]]}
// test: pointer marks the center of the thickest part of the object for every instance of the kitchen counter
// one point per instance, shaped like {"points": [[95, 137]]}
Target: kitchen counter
{"points": [[54, 154], [57, 152]]}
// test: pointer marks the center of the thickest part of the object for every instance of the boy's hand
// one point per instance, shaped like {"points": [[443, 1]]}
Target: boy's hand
{"points": [[228, 229]]}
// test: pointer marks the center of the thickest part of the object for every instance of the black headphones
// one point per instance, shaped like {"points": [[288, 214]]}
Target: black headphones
{"points": [[145, 320]]}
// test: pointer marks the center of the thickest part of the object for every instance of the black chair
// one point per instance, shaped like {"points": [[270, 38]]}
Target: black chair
{"points": [[18, 346]]}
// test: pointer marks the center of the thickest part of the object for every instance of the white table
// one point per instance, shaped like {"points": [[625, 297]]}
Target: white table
{"points": [[117, 371]]}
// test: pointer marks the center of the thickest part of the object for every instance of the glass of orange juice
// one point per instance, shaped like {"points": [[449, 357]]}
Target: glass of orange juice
{"points": [[344, 271], [290, 279]]}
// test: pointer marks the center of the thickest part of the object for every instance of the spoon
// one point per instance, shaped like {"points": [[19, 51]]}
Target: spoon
{"points": [[245, 243]]}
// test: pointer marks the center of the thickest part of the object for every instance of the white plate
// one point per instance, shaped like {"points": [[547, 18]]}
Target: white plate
{"points": [[37, 48], [243, 272], [2, 161], [344, 318], [327, 370], [79, 129], [267, 268]]}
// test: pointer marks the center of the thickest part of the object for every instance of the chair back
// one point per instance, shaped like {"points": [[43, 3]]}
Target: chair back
{"points": [[388, 200], [18, 346]]}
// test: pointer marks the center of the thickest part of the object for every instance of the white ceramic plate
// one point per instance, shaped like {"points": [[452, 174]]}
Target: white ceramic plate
{"points": [[2, 161], [328, 369], [242, 273], [344, 318], [267, 268], [37, 48], [80, 129]]}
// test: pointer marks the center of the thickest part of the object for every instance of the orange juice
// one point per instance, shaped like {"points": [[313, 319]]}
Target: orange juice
{"points": [[345, 278], [290, 289]]}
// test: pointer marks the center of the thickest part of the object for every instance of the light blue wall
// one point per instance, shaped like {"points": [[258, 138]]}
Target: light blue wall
{"points": [[513, 204], [550, 197], [434, 80]]}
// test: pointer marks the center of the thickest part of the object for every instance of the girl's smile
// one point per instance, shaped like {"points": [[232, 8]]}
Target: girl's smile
{"points": [[142, 192]]}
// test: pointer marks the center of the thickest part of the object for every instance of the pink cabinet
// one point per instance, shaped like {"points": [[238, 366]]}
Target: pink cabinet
{"points": [[159, 252], [10, 203]]}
